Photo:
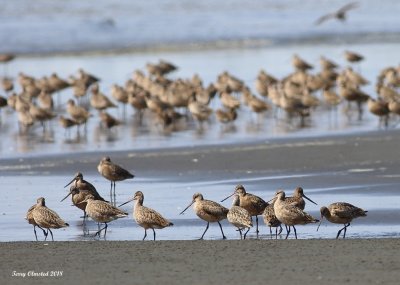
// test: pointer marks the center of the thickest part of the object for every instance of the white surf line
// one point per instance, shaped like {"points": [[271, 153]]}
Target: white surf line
{"points": [[348, 187], [252, 179]]}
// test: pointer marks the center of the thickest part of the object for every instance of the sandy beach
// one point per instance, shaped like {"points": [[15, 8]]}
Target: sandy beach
{"points": [[204, 262]]}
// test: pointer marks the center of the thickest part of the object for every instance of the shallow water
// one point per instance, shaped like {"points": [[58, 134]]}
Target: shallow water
{"points": [[244, 64], [372, 191]]}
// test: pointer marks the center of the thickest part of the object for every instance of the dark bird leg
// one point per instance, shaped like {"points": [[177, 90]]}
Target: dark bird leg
{"points": [[240, 232], [270, 231], [345, 230], [99, 231], [223, 236], [257, 225], [105, 230], [145, 234], [288, 231], [208, 224], [154, 234], [245, 234], [295, 233], [52, 238], [34, 230], [44, 232]]}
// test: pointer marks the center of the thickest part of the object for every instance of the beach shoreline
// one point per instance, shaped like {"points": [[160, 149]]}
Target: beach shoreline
{"points": [[355, 261]]}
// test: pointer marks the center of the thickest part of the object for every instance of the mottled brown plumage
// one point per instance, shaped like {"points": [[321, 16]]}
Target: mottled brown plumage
{"points": [[289, 214], [341, 213], [239, 217], [271, 220], [252, 203], [47, 218], [145, 217], [208, 211]]}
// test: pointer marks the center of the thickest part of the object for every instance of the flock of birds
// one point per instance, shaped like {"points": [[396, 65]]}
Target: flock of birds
{"points": [[168, 102], [288, 211]]}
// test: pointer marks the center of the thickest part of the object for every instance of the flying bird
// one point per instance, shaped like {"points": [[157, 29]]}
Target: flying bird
{"points": [[339, 14]]}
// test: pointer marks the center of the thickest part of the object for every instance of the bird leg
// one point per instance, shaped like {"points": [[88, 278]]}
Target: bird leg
{"points": [[52, 238], [295, 233], [99, 231], [145, 234], [345, 230], [288, 231], [154, 234], [240, 232], [245, 234], [270, 231], [223, 236], [257, 225], [208, 224], [34, 230]]}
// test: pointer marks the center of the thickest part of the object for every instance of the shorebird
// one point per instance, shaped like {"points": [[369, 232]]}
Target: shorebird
{"points": [[300, 64], [208, 211], [339, 14], [271, 220], [252, 203], [341, 213], [289, 214], [352, 56], [113, 172], [239, 217], [66, 123], [47, 218], [31, 220], [145, 217], [78, 197], [102, 212], [108, 121], [77, 113], [82, 184], [379, 108], [297, 198]]}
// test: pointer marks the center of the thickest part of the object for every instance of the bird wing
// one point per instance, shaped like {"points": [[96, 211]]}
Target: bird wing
{"points": [[324, 18], [342, 210], [214, 209], [347, 7]]}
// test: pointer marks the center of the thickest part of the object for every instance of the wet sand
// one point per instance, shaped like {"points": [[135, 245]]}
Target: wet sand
{"points": [[205, 262]]}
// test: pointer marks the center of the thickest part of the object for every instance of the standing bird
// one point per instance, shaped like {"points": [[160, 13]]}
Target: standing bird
{"points": [[239, 217], [289, 214], [339, 14], [102, 212], [82, 184], [208, 211], [271, 220], [297, 198], [113, 172], [31, 220], [352, 56], [47, 218], [341, 213], [145, 217], [252, 203]]}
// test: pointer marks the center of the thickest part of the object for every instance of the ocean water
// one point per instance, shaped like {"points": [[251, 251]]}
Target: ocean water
{"points": [[76, 25]]}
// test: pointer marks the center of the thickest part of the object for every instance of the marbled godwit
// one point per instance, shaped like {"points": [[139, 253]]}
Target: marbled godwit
{"points": [[252, 203], [31, 220], [208, 211], [289, 214], [297, 198], [82, 184], [77, 113], [327, 64], [113, 172], [108, 121], [339, 14], [352, 56], [78, 197], [145, 217], [239, 217], [300, 64], [66, 123], [99, 101], [227, 116], [102, 212], [379, 108], [47, 218], [271, 220], [341, 213]]}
